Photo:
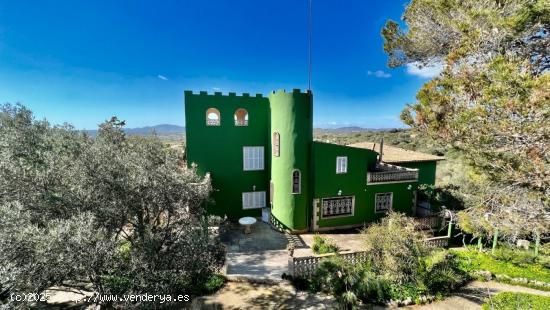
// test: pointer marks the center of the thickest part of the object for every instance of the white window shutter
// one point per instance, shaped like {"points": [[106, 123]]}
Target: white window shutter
{"points": [[253, 200]]}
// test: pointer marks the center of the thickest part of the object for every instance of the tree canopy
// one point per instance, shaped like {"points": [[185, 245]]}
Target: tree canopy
{"points": [[492, 99], [121, 212]]}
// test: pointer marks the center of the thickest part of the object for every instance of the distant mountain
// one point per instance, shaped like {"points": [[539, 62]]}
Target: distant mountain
{"points": [[351, 129], [169, 129], [162, 129]]}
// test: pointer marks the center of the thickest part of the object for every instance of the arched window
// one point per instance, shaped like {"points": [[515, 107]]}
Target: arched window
{"points": [[296, 182], [212, 117], [241, 117], [276, 144]]}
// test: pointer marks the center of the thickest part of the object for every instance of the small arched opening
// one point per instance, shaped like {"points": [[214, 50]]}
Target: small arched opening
{"points": [[213, 117], [241, 117]]}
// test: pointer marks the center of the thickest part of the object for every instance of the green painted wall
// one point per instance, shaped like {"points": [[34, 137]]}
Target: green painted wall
{"points": [[403, 197], [327, 183], [219, 149], [426, 173], [292, 118]]}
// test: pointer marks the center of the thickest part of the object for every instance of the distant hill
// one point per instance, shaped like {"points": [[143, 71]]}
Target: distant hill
{"points": [[351, 129], [159, 129], [162, 129], [169, 129]]}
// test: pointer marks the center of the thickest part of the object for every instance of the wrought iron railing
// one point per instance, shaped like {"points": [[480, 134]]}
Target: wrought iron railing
{"points": [[337, 206], [384, 173]]}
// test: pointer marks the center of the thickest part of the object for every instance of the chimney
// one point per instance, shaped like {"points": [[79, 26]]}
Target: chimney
{"points": [[381, 150]]}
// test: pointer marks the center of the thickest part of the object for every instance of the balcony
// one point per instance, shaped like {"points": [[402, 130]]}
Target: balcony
{"points": [[386, 173]]}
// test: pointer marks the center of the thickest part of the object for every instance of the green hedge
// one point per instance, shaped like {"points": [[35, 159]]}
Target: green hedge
{"points": [[474, 260], [513, 301]]}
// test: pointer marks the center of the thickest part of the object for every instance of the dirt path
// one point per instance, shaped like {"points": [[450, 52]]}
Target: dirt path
{"points": [[474, 294], [241, 295]]}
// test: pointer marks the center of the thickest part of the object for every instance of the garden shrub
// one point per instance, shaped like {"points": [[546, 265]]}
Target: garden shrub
{"points": [[396, 249], [515, 256], [213, 284], [323, 245], [443, 272], [513, 301], [374, 289], [407, 290], [339, 278]]}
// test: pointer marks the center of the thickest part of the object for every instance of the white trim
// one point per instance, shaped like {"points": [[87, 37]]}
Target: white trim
{"points": [[392, 182], [341, 164], [299, 182], [316, 214], [337, 216], [253, 200], [253, 158], [391, 202]]}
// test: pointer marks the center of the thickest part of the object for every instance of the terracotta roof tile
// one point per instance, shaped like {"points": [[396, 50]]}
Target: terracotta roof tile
{"points": [[396, 155]]}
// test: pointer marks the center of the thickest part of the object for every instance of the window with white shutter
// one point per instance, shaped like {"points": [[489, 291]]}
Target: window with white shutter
{"points": [[253, 200], [341, 164], [253, 158]]}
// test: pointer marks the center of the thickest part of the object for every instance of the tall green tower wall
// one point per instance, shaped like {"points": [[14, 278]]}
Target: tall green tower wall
{"points": [[292, 118], [219, 149]]}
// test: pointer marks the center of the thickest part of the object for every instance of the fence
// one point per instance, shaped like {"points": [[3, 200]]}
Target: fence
{"points": [[304, 267], [430, 222], [437, 242]]}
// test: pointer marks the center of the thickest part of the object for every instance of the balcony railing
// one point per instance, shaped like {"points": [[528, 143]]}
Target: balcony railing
{"points": [[212, 122], [241, 122], [386, 173]]}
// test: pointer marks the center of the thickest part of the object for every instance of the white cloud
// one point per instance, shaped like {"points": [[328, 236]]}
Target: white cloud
{"points": [[216, 89], [379, 74], [162, 77], [426, 72]]}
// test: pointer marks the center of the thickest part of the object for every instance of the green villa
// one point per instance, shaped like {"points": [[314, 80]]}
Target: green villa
{"points": [[263, 161]]}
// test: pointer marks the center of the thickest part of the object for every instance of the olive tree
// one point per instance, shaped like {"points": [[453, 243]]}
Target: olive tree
{"points": [[121, 212]]}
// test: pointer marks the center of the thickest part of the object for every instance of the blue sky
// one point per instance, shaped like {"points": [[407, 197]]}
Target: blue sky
{"points": [[84, 61]]}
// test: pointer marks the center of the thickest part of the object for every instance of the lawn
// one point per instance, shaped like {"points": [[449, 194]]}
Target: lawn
{"points": [[512, 301], [472, 260]]}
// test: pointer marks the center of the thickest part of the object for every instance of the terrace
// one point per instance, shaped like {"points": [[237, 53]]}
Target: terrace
{"points": [[387, 173]]}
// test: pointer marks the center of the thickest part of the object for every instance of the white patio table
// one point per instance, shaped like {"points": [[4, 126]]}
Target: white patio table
{"points": [[247, 221]]}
